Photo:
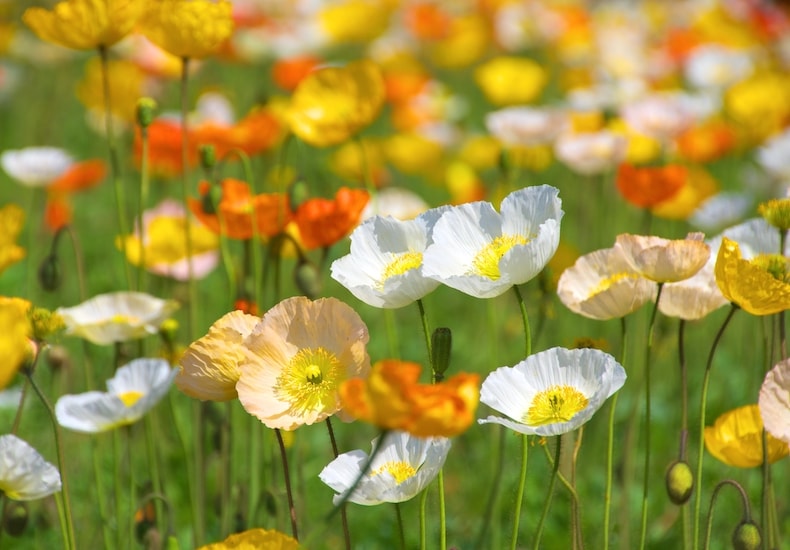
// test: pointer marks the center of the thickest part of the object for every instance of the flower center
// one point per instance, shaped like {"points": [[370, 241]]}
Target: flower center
{"points": [[129, 398], [486, 263], [401, 264], [609, 281], [400, 470], [121, 319], [310, 380], [776, 212], [555, 404], [775, 264]]}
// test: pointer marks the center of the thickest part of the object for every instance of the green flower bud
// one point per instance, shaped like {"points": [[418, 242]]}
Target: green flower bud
{"points": [[308, 279], [208, 156], [211, 200], [145, 111], [747, 537], [50, 275], [680, 482], [441, 346], [15, 518], [298, 192]]}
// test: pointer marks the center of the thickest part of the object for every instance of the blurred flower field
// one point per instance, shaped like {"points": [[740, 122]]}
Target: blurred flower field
{"points": [[471, 274]]}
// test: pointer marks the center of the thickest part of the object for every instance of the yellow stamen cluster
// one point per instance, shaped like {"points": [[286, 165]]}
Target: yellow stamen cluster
{"points": [[400, 265], [775, 264], [486, 263], [129, 398], [400, 470], [311, 379], [776, 212], [609, 281], [555, 404]]}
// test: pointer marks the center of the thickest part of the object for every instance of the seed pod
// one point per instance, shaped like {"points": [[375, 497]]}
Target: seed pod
{"points": [[747, 537], [50, 275], [441, 345], [15, 518], [680, 482], [211, 200]]}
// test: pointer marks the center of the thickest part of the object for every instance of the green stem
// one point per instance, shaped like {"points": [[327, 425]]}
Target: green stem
{"points": [[703, 401], [442, 513], [423, 522], [132, 490], [426, 332], [496, 484], [744, 502], [116, 456], [191, 306], [401, 532], [143, 200], [287, 475], [522, 482], [610, 441], [646, 473], [525, 321], [343, 516], [546, 506], [227, 477], [68, 528], [153, 461]]}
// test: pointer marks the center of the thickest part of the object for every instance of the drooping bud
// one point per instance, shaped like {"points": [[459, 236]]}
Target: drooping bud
{"points": [[441, 346], [298, 192], [208, 157], [50, 275], [145, 111], [680, 482], [747, 537], [15, 518], [211, 200], [308, 279]]}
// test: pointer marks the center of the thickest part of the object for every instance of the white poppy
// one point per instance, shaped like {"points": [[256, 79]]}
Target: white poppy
{"points": [[24, 474], [36, 166], [525, 126], [132, 392], [483, 253], [398, 202], [660, 116], [717, 66], [116, 317], [400, 470], [552, 392], [721, 210], [591, 153], [384, 268], [774, 156]]}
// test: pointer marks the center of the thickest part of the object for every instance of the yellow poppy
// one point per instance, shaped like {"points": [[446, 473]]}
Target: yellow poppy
{"points": [[85, 24], [12, 217], [188, 28], [14, 332], [736, 438], [332, 104], [255, 538], [355, 21], [759, 286], [511, 80]]}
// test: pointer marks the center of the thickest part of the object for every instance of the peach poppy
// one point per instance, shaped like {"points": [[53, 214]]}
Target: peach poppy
{"points": [[323, 222], [648, 186], [392, 398], [239, 208]]}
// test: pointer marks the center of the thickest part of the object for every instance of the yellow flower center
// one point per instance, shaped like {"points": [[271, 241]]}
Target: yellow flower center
{"points": [[776, 212], [555, 404], [129, 398], [400, 265], [121, 319], [774, 264], [310, 380], [486, 263], [609, 281], [400, 470]]}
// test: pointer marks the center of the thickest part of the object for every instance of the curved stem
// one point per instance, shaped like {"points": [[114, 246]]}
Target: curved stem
{"points": [[343, 516], [714, 496], [287, 475], [550, 494], [703, 400], [69, 522], [522, 482], [525, 321], [646, 473]]}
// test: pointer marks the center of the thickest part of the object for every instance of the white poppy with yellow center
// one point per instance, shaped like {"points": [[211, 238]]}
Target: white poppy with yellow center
{"points": [[384, 267], [552, 392], [132, 392], [296, 359], [24, 474], [401, 469], [483, 253]]}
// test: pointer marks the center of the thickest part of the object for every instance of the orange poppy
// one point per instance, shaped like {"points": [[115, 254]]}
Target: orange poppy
{"points": [[648, 186], [288, 73], [239, 207], [80, 177], [164, 148], [427, 21], [707, 142], [391, 398], [323, 222]]}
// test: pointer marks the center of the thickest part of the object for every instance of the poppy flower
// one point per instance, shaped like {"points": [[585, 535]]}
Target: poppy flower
{"points": [[510, 80], [590, 153], [323, 222], [255, 538], [188, 28], [774, 401], [603, 285], [288, 73], [81, 176], [759, 286], [552, 392], [774, 156], [699, 186], [402, 467], [706, 142], [297, 358], [210, 366], [393, 399], [24, 474], [664, 260], [239, 209], [736, 438], [116, 317], [647, 187], [332, 104], [85, 24], [12, 218], [15, 332], [483, 253], [134, 390], [36, 166], [524, 126]]}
